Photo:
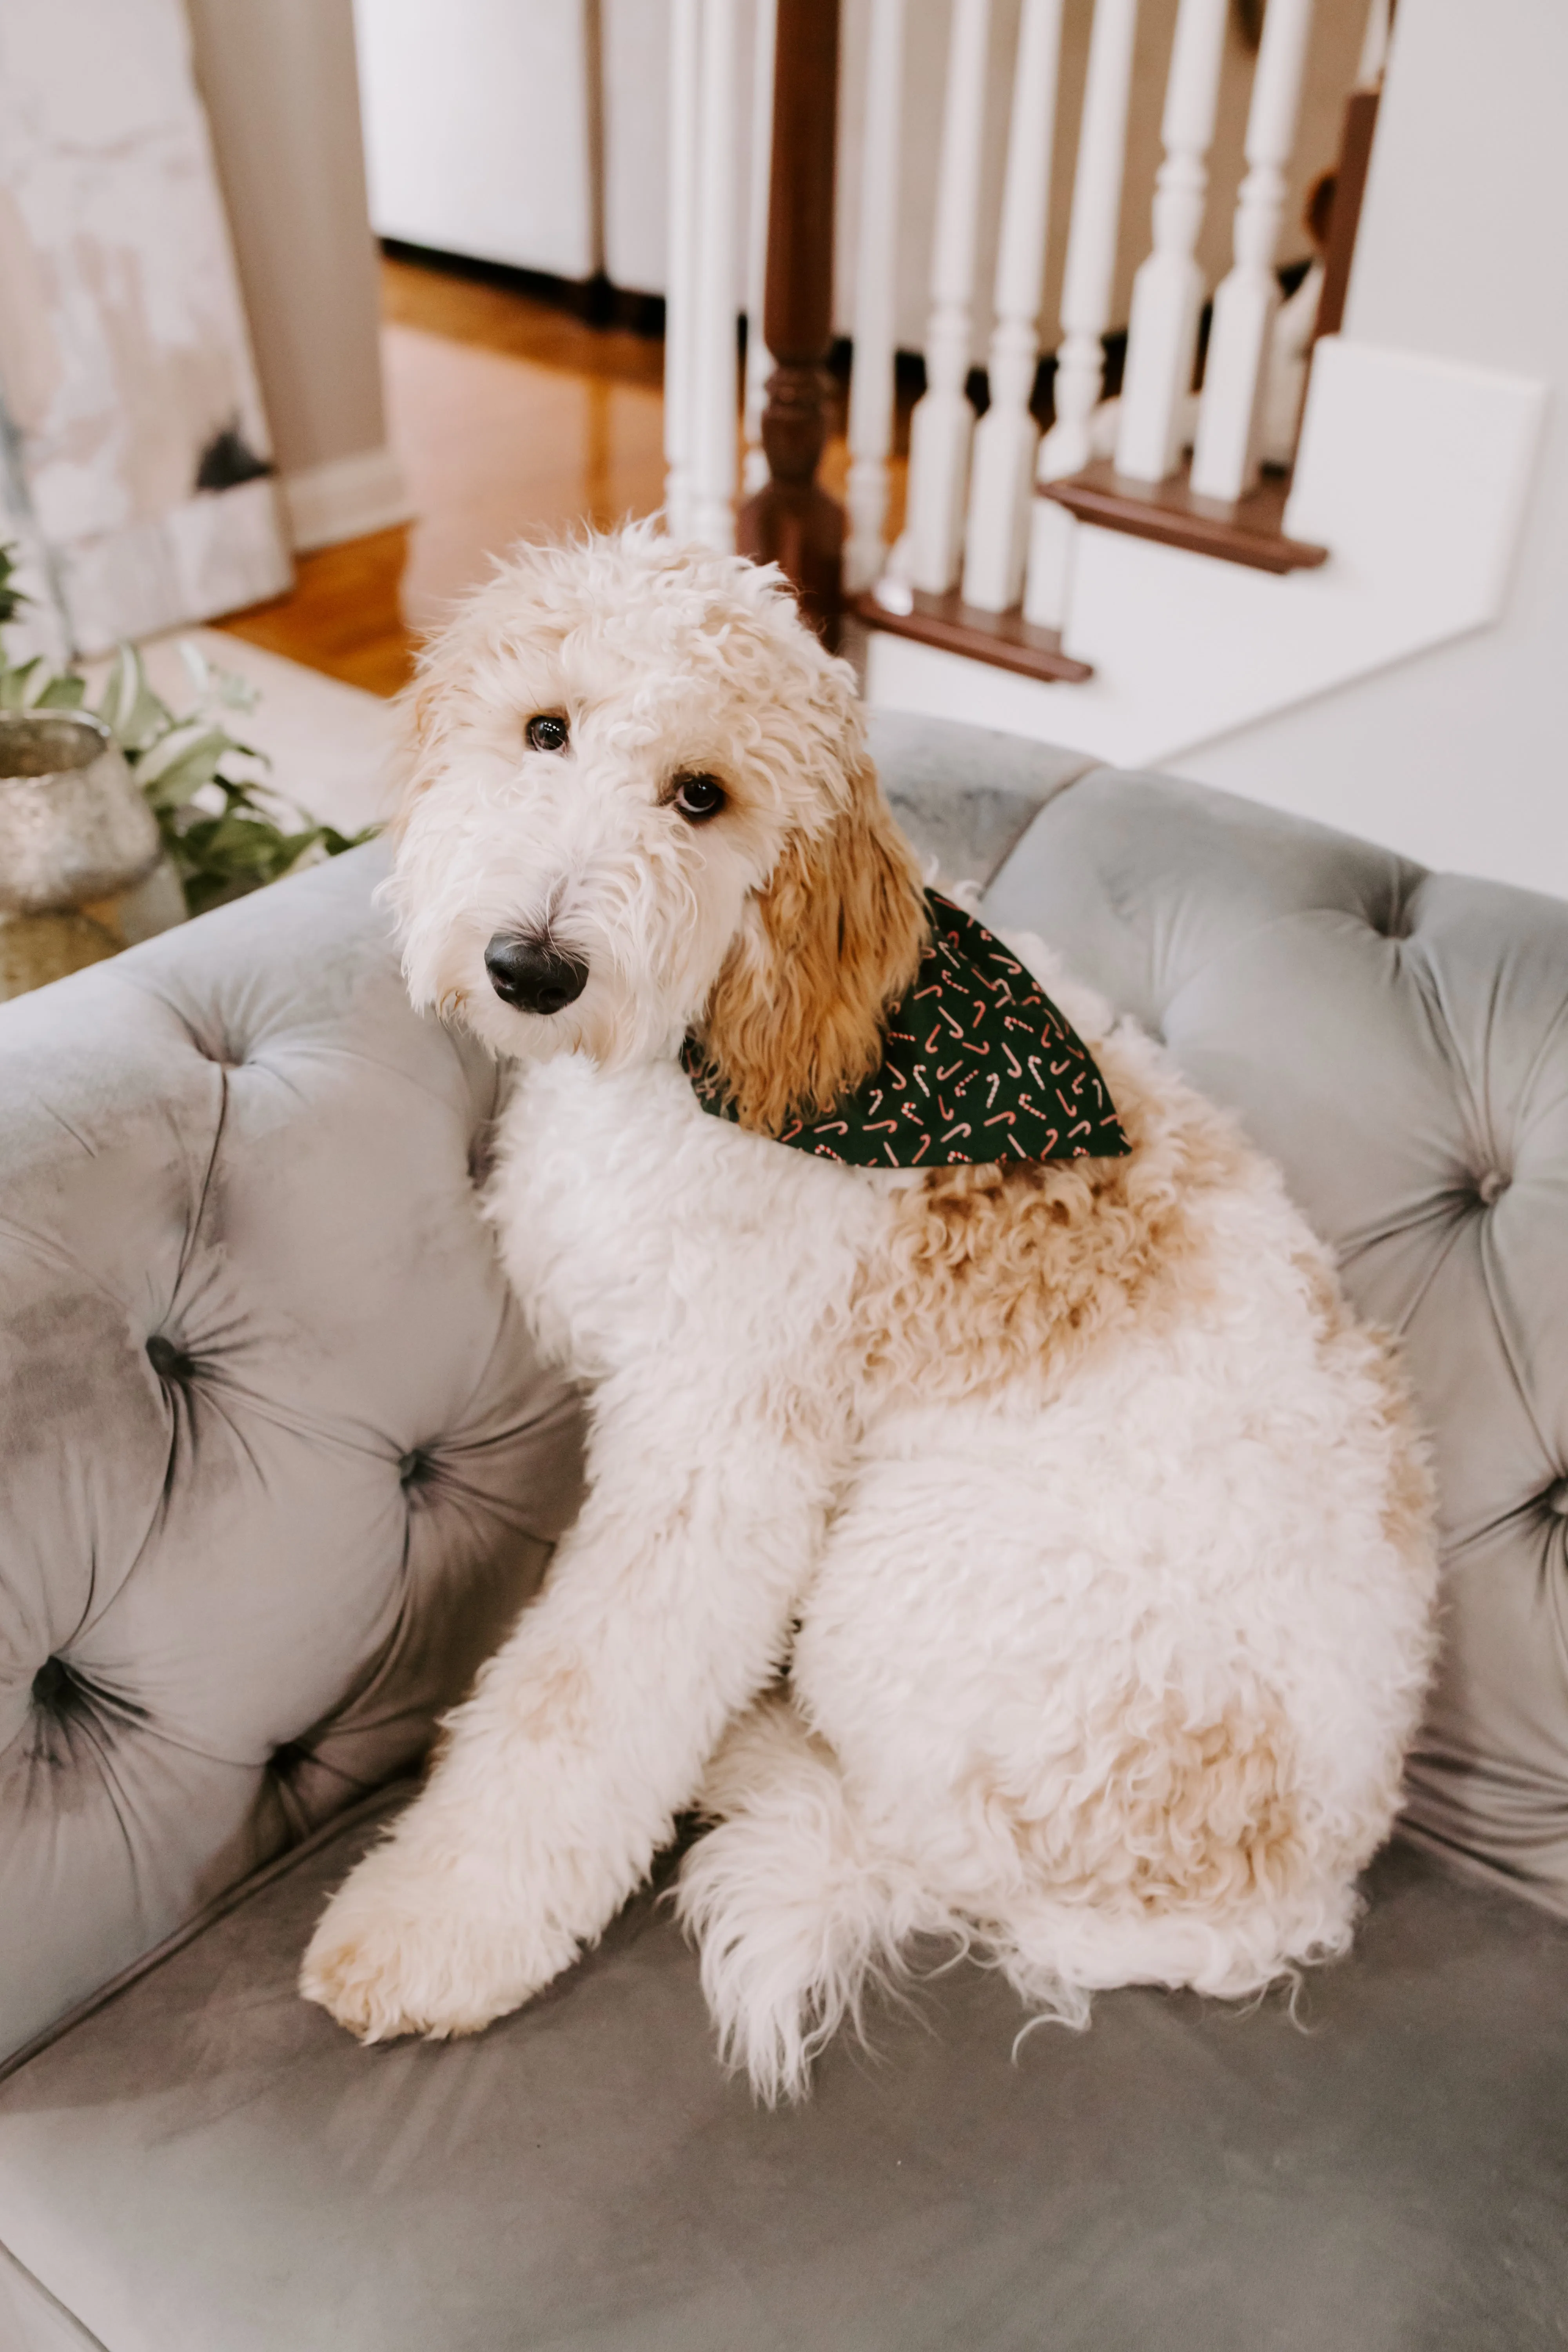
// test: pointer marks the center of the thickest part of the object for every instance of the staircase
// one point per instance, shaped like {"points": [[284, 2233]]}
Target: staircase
{"points": [[1131, 582]]}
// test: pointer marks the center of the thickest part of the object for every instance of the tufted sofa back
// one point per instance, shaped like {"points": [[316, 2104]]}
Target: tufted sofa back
{"points": [[1398, 1041], [278, 1465]]}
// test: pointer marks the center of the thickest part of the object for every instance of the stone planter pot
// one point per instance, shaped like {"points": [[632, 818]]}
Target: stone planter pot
{"points": [[74, 828], [73, 825]]}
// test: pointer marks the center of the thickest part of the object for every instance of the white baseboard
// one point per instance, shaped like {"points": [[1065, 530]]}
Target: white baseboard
{"points": [[345, 499]]}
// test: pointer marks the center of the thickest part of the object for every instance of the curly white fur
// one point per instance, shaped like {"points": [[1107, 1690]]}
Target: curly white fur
{"points": [[1100, 1655]]}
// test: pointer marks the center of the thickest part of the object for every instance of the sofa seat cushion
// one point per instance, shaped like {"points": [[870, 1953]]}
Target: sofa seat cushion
{"points": [[205, 2160]]}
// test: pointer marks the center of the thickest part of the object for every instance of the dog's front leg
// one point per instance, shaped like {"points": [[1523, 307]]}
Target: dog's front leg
{"points": [[665, 1610]]}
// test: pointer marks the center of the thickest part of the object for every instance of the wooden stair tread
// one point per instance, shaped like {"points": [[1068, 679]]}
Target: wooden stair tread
{"points": [[1248, 530], [1003, 639]]}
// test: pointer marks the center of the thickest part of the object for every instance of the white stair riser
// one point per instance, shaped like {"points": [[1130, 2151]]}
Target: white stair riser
{"points": [[1412, 471]]}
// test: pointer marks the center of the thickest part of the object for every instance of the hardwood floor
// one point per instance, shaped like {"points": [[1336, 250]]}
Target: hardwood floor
{"points": [[345, 614], [508, 415]]}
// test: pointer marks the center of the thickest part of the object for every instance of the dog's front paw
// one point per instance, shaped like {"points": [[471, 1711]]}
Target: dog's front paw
{"points": [[403, 1950]]}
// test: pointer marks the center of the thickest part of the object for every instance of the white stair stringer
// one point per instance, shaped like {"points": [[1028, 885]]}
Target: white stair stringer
{"points": [[1412, 471]]}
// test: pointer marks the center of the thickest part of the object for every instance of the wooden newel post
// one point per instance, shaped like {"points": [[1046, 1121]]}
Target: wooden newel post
{"points": [[791, 521]]}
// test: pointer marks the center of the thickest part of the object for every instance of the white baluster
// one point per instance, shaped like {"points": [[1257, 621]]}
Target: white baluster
{"points": [[944, 422], [716, 384], [1086, 299], [871, 381], [1168, 291], [680, 280], [759, 359], [1224, 463], [1007, 436]]}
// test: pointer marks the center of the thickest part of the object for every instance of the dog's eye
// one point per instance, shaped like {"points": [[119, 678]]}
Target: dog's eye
{"points": [[699, 797], [546, 732]]}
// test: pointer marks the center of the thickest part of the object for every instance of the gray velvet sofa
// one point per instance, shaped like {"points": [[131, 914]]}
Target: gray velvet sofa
{"points": [[279, 1466]]}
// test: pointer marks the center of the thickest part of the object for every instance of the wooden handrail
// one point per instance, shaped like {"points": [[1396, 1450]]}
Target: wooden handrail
{"points": [[791, 520], [1344, 218]]}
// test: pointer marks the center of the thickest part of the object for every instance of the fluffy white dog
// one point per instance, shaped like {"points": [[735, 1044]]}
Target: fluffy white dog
{"points": [[1034, 1553]]}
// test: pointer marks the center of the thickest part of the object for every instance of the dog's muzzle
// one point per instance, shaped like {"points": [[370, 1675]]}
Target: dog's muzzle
{"points": [[534, 974]]}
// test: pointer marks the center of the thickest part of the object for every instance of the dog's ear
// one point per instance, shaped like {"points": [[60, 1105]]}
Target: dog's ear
{"points": [[795, 1019]]}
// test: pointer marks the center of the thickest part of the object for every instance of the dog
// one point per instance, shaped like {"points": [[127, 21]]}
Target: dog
{"points": [[1029, 1551]]}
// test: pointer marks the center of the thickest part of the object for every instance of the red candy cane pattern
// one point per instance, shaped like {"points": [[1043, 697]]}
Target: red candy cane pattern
{"points": [[979, 1010]]}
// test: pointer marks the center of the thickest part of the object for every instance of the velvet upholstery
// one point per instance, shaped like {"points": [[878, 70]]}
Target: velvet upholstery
{"points": [[209, 2165], [279, 1465], [1398, 1041]]}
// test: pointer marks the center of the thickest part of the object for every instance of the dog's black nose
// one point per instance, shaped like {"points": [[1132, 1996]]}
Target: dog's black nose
{"points": [[534, 974]]}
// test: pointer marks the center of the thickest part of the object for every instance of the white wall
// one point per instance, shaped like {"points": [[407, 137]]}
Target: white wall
{"points": [[634, 46], [478, 135], [1459, 757]]}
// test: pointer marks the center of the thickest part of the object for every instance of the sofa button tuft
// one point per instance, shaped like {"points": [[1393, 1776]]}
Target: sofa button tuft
{"points": [[1394, 918], [1490, 1187], [415, 1468], [52, 1686], [224, 1055], [1556, 1498], [171, 1363]]}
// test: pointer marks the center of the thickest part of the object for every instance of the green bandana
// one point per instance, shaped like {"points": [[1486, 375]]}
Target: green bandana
{"points": [[979, 1067]]}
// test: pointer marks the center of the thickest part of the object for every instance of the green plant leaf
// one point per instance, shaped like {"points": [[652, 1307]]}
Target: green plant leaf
{"points": [[65, 692], [128, 706], [176, 767], [20, 687], [12, 598], [225, 687]]}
